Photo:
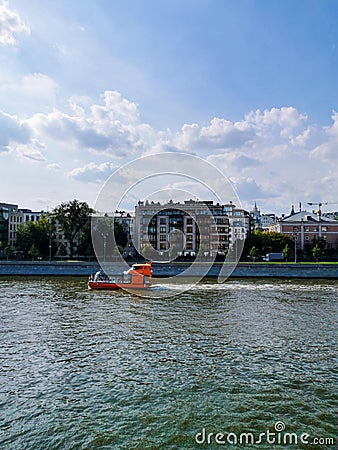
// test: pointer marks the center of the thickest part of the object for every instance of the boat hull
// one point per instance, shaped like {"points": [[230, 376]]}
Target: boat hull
{"points": [[101, 285]]}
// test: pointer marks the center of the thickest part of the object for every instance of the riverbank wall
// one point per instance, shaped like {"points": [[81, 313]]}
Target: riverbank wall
{"points": [[243, 270]]}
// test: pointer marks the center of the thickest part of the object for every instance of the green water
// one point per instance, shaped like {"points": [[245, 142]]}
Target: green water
{"points": [[109, 370]]}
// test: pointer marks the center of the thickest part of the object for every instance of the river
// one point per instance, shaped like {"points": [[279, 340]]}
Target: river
{"points": [[219, 363]]}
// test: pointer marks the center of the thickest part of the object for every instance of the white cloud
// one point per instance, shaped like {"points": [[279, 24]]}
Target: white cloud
{"points": [[328, 150], [10, 24], [112, 129], [53, 166], [276, 124], [93, 173], [32, 150], [219, 134], [12, 130]]}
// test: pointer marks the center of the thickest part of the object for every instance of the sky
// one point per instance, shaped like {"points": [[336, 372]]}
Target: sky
{"points": [[249, 86]]}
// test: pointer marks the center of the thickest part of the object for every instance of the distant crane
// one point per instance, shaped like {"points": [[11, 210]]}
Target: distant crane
{"points": [[319, 204]]}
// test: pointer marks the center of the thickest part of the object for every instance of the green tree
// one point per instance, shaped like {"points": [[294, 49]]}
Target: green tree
{"points": [[317, 251], [121, 236], [254, 253], [62, 251], [33, 252], [267, 242], [8, 252], [37, 233], [109, 236], [287, 252], [85, 244], [73, 217]]}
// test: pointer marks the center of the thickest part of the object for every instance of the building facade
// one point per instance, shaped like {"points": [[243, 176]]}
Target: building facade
{"points": [[191, 227], [10, 218], [7, 211], [241, 223], [305, 227]]}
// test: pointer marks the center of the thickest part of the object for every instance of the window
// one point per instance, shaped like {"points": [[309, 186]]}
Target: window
{"points": [[163, 237], [189, 229], [325, 229], [163, 221], [220, 221], [162, 246], [189, 221], [163, 229]]}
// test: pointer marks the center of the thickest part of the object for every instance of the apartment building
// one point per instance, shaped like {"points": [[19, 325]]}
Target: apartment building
{"points": [[190, 226], [240, 223]]}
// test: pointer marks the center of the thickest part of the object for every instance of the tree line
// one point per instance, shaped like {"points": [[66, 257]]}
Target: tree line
{"points": [[260, 243], [72, 220]]}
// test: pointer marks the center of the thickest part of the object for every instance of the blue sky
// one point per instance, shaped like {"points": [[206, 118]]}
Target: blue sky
{"points": [[87, 86]]}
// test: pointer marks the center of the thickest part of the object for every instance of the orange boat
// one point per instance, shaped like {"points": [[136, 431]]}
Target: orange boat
{"points": [[139, 276]]}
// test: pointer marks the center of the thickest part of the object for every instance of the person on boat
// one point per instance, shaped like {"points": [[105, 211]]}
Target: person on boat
{"points": [[98, 275]]}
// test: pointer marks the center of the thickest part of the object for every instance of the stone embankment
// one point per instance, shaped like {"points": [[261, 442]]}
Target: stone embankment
{"points": [[243, 270]]}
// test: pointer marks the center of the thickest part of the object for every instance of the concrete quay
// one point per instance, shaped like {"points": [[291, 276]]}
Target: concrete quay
{"points": [[243, 270]]}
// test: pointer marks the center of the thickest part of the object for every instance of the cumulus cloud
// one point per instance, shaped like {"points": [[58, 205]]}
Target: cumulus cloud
{"points": [[12, 130], [16, 135], [93, 173], [328, 150], [10, 24], [112, 128], [287, 119], [278, 125], [219, 134]]}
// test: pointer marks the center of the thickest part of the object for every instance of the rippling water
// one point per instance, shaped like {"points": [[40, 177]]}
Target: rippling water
{"points": [[92, 370]]}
